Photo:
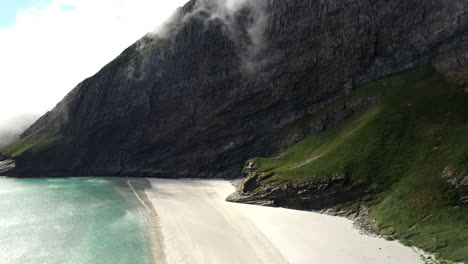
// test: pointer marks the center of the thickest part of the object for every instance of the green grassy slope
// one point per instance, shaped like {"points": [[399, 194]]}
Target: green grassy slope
{"points": [[404, 144], [31, 144]]}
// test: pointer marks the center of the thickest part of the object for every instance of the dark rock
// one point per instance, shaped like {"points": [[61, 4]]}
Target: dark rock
{"points": [[464, 199], [6, 165], [464, 182], [317, 195], [453, 61], [206, 96], [458, 182], [327, 120], [305, 196], [463, 188]]}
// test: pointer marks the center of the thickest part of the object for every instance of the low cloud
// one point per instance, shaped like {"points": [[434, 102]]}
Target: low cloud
{"points": [[14, 127], [55, 44], [256, 17]]}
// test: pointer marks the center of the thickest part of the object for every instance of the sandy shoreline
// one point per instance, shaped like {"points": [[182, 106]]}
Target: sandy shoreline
{"points": [[155, 235], [195, 225]]}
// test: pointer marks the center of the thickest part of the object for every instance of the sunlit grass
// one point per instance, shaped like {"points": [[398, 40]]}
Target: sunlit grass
{"points": [[31, 144], [418, 128]]}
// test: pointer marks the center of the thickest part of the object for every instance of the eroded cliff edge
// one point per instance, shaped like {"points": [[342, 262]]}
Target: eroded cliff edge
{"points": [[210, 92]]}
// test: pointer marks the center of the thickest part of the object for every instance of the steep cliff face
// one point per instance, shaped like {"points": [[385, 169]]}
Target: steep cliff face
{"points": [[222, 85]]}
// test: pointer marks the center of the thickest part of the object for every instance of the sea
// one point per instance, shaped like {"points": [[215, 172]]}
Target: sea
{"points": [[71, 221]]}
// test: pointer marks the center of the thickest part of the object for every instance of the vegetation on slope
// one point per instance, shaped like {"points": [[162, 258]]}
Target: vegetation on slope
{"points": [[32, 144], [409, 145]]}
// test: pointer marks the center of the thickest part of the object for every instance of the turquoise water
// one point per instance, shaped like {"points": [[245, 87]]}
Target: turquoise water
{"points": [[71, 221]]}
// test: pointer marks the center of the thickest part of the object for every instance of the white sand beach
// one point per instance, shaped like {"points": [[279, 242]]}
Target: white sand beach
{"points": [[199, 226]]}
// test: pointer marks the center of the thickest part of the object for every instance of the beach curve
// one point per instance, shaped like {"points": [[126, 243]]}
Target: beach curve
{"points": [[199, 226]]}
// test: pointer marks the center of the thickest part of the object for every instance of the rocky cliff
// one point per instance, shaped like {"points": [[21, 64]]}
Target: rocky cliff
{"points": [[223, 84]]}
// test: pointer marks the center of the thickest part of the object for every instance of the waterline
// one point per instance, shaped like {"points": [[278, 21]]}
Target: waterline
{"points": [[154, 232], [71, 221]]}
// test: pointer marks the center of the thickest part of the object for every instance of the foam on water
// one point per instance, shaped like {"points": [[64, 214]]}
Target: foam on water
{"points": [[70, 221]]}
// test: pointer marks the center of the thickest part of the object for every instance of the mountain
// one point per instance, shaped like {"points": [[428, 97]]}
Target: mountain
{"points": [[360, 104], [212, 91]]}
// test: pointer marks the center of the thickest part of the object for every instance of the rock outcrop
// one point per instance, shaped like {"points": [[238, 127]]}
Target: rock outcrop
{"points": [[210, 92], [254, 189], [6, 165], [452, 61], [458, 182]]}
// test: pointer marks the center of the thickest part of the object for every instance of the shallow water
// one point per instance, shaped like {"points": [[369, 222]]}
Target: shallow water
{"points": [[71, 221]]}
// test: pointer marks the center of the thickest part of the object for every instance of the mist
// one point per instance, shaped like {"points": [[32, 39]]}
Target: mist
{"points": [[50, 49], [53, 45], [227, 12], [255, 16], [13, 127]]}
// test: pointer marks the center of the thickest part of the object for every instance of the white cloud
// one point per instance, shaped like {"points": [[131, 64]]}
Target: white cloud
{"points": [[57, 43]]}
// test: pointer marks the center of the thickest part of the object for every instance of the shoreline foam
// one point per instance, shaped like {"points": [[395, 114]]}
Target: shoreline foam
{"points": [[155, 235]]}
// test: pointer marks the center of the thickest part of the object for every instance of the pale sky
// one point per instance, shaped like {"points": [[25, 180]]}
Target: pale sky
{"points": [[48, 46]]}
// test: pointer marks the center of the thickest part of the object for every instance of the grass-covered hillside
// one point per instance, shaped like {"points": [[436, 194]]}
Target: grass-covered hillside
{"points": [[413, 144], [32, 144]]}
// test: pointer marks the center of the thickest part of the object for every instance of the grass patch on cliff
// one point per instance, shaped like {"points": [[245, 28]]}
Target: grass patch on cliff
{"points": [[31, 144], [418, 129]]}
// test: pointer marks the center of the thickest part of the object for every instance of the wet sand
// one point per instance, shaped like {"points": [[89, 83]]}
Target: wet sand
{"points": [[152, 221], [198, 226]]}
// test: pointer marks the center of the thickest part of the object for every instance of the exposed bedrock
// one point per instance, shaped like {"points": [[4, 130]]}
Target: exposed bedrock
{"points": [[317, 195], [214, 91]]}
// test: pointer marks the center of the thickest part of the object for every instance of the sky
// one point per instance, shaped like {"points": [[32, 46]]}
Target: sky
{"points": [[48, 46]]}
